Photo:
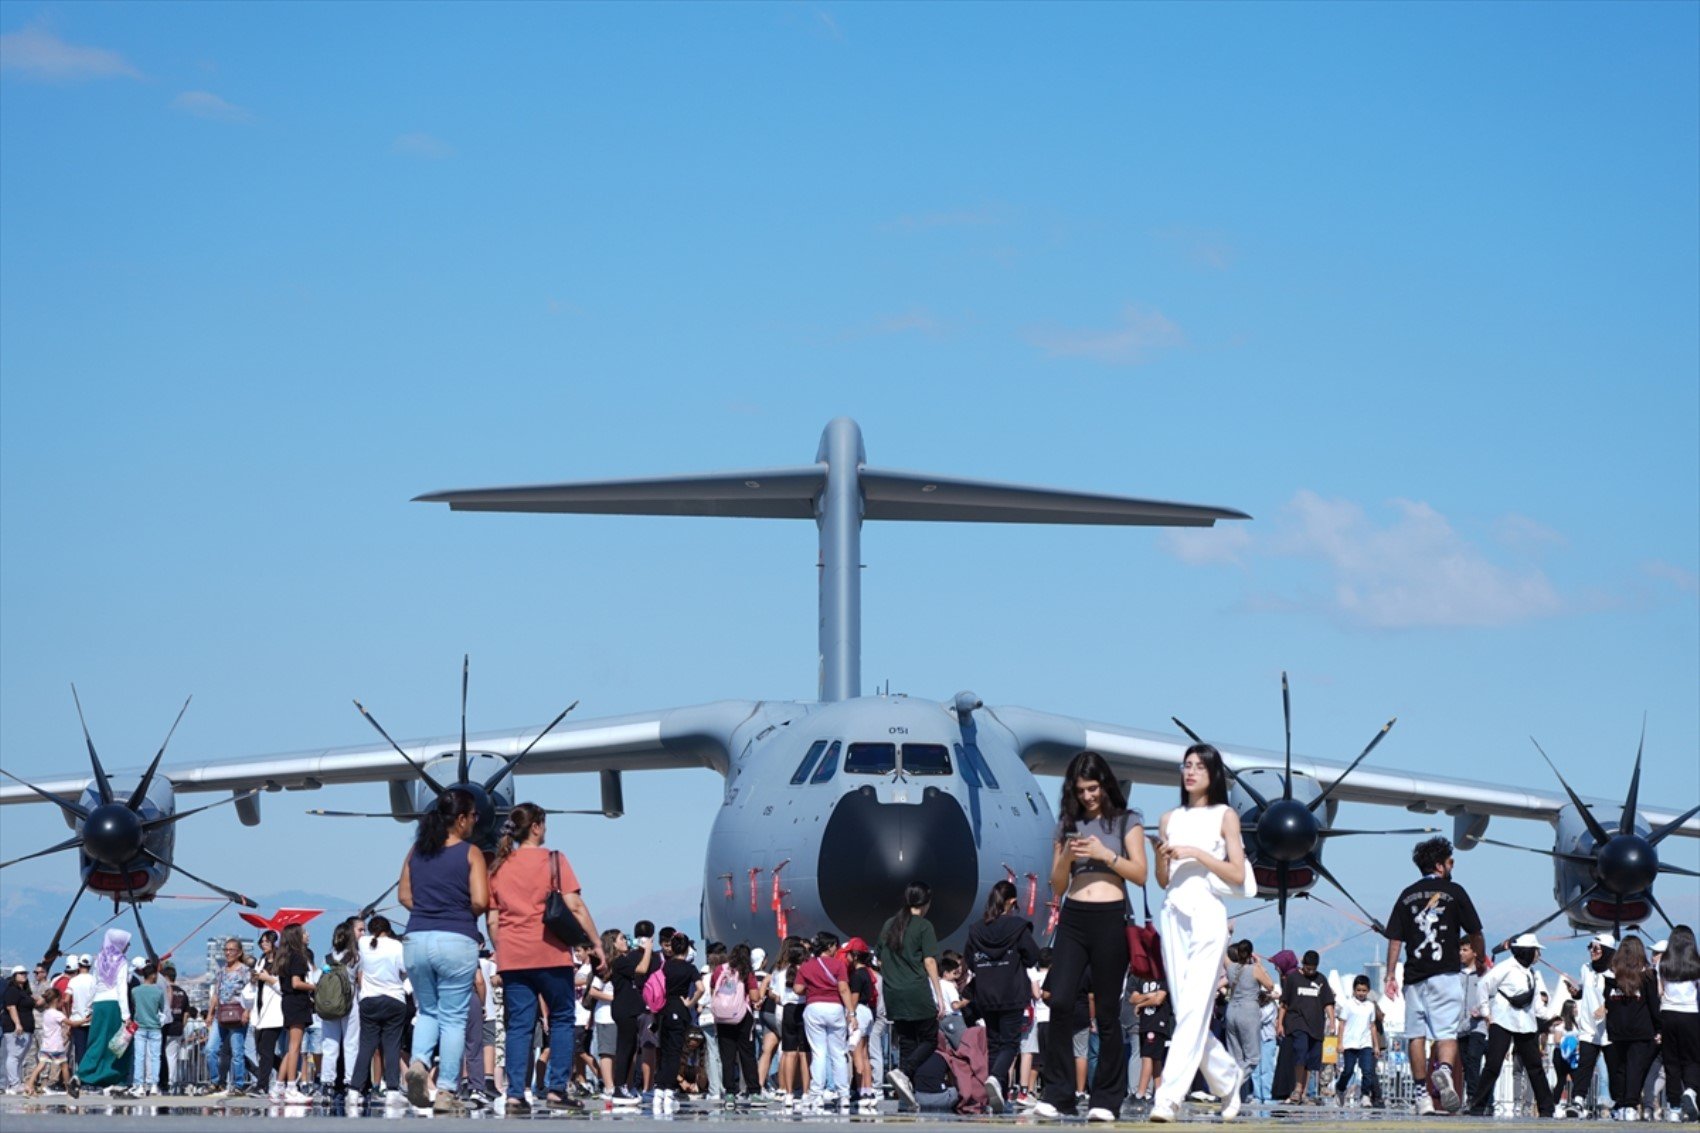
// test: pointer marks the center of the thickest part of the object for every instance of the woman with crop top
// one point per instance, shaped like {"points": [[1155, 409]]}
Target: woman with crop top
{"points": [[1200, 859], [1100, 845], [446, 886]]}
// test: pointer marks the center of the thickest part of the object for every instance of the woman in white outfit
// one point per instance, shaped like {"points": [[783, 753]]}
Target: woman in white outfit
{"points": [[1200, 859], [342, 1036]]}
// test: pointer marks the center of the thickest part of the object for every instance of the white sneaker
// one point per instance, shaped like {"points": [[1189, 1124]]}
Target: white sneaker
{"points": [[1160, 1113], [905, 1089], [1099, 1114], [293, 1096], [994, 1096], [352, 1102], [1441, 1076], [1425, 1104], [1047, 1111], [1690, 1106], [395, 1099], [274, 1093]]}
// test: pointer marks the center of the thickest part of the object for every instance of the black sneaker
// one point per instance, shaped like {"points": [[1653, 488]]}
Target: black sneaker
{"points": [[517, 1107], [75, 1089]]}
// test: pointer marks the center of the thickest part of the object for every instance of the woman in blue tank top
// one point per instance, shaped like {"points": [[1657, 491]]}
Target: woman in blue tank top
{"points": [[446, 886]]}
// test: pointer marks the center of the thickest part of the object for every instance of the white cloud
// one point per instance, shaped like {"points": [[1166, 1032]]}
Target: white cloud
{"points": [[1685, 581], [205, 104], [36, 53], [1141, 334], [1520, 533], [420, 144], [1411, 571]]}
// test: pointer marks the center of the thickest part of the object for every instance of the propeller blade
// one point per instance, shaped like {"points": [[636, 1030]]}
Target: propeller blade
{"points": [[53, 953], [364, 814], [547, 811], [101, 781], [1626, 821], [1578, 859], [1315, 863], [1671, 827], [168, 819], [1661, 910], [1335, 833], [508, 767], [1281, 897], [1353, 766], [1598, 832], [147, 945], [1678, 870], [372, 906], [465, 666], [69, 843], [141, 791], [423, 774], [231, 894], [1287, 715], [1191, 735], [1591, 891], [68, 807]]}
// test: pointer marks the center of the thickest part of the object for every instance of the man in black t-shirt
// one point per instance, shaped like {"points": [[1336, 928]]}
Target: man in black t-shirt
{"points": [[1306, 1017], [1432, 918]]}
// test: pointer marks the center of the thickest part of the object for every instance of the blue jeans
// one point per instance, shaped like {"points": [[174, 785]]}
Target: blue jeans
{"points": [[441, 965], [521, 991], [230, 1040], [145, 1071], [1350, 1060]]}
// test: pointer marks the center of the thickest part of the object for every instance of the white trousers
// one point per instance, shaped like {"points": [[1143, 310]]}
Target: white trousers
{"points": [[343, 1035], [1193, 945], [829, 1047]]}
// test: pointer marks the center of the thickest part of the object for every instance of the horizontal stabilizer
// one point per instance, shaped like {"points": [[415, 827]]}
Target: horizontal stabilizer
{"points": [[918, 496], [766, 493]]}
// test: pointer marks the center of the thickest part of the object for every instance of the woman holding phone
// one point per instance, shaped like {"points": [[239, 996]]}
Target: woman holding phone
{"points": [[1200, 860], [1100, 846]]}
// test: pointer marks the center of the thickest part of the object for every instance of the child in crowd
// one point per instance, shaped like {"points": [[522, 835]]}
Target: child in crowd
{"points": [[55, 1032], [1360, 1042], [147, 1007]]}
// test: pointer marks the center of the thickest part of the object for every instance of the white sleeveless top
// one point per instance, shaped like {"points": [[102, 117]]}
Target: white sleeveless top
{"points": [[1190, 883]]}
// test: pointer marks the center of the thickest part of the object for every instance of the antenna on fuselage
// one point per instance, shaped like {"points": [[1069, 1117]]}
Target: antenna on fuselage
{"points": [[839, 492]]}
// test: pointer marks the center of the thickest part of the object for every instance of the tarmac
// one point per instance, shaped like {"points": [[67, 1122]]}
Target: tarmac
{"points": [[96, 1112]]}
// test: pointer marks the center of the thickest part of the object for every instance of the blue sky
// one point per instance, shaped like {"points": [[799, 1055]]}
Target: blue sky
{"points": [[1417, 286]]}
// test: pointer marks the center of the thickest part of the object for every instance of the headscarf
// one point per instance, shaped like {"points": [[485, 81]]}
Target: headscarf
{"points": [[109, 965], [1285, 962]]}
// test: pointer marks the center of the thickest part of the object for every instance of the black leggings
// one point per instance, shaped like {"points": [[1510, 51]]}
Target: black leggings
{"points": [[916, 1040], [671, 1026], [381, 1019], [1582, 1081], [265, 1051], [1561, 1075], [737, 1054], [1682, 1054], [625, 1050], [1003, 1042], [1628, 1060], [1528, 1048], [1090, 949]]}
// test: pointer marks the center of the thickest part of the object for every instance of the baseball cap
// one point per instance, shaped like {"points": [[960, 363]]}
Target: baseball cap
{"points": [[1527, 940], [85, 961], [19, 970], [855, 944], [1603, 939], [1660, 945]]}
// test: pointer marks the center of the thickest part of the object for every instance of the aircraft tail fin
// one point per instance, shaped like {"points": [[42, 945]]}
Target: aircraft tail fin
{"points": [[765, 493], [897, 495]]}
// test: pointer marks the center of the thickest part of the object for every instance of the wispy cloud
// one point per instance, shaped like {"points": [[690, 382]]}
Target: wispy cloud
{"points": [[205, 104], [1411, 570], [984, 216], [36, 53], [1140, 334], [1520, 533], [1685, 581], [1202, 247], [420, 144]]}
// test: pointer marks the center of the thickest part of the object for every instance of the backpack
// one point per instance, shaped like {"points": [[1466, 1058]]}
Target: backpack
{"points": [[730, 1001], [655, 992], [333, 995]]}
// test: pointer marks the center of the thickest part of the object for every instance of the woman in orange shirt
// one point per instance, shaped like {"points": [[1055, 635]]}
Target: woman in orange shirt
{"points": [[533, 964]]}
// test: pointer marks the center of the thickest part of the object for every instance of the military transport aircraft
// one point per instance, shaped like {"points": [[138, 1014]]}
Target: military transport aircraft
{"points": [[831, 806]]}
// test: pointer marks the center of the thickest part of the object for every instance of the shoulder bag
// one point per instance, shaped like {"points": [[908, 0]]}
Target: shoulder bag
{"points": [[557, 918]]}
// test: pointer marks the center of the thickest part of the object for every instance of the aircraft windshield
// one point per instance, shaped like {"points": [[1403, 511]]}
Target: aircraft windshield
{"points": [[926, 759], [801, 775], [828, 765], [870, 759]]}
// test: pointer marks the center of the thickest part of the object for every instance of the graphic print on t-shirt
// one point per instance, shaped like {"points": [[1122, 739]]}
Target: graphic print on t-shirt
{"points": [[1431, 918]]}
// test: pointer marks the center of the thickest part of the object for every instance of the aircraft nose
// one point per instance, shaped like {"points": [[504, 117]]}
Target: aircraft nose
{"points": [[871, 851]]}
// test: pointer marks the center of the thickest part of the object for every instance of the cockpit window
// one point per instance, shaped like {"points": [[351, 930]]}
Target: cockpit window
{"points": [[926, 759], [828, 765], [971, 754], [870, 759], [801, 775]]}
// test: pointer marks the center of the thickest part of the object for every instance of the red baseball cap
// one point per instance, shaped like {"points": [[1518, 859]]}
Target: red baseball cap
{"points": [[856, 944]]}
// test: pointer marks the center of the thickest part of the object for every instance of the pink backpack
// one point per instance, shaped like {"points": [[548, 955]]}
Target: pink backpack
{"points": [[730, 1000], [655, 992]]}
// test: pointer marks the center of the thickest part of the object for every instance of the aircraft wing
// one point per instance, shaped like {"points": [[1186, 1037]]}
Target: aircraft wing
{"points": [[1048, 741], [695, 736]]}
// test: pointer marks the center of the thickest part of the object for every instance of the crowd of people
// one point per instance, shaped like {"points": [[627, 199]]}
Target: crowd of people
{"points": [[503, 992]]}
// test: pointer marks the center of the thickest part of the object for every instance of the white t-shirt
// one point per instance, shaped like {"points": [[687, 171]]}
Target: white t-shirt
{"points": [[1679, 996], [604, 1012], [951, 995], [1357, 1022], [782, 980], [270, 1013], [382, 971], [488, 967], [81, 988], [1041, 1006], [581, 1010]]}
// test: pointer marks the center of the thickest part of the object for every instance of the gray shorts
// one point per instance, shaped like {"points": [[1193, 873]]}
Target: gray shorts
{"points": [[607, 1037], [1082, 1042], [490, 1032], [1434, 1008]]}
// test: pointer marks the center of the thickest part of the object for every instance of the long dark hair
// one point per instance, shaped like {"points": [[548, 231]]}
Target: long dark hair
{"points": [[516, 830], [376, 927], [1629, 966], [1240, 951], [917, 896], [824, 942], [294, 949], [435, 824], [1093, 768], [1216, 794], [1682, 961], [739, 961], [342, 939], [1003, 892]]}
